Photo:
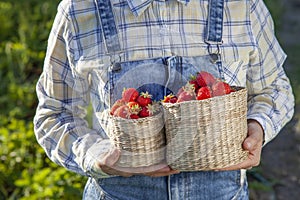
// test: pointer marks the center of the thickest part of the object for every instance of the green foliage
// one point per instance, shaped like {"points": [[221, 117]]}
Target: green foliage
{"points": [[25, 170]]}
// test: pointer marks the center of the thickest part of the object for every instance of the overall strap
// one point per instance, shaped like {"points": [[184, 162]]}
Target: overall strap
{"points": [[109, 29], [214, 32], [215, 22]]}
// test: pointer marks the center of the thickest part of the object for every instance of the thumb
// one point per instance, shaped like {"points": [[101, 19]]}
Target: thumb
{"points": [[249, 143], [255, 136]]}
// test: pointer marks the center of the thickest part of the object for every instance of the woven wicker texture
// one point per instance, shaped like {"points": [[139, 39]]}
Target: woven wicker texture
{"points": [[141, 141], [206, 134]]}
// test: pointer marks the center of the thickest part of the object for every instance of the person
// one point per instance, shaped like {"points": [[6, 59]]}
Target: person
{"points": [[94, 44]]}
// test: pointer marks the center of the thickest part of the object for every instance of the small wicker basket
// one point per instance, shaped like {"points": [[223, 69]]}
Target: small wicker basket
{"points": [[141, 141], [206, 134]]}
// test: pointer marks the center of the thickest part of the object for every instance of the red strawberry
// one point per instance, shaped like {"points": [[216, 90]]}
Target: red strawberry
{"points": [[194, 82], [122, 111], [170, 98], [149, 110], [220, 88], [204, 93], [187, 94], [130, 94], [134, 107], [173, 99], [180, 91], [204, 78], [144, 99], [144, 112], [116, 105], [134, 116]]}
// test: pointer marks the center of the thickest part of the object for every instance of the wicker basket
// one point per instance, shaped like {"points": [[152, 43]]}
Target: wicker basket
{"points": [[206, 134], [141, 141]]}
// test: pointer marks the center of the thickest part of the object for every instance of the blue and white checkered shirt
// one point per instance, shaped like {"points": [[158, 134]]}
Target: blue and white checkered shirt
{"points": [[250, 53]]}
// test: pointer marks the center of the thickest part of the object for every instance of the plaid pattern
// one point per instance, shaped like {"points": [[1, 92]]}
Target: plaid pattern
{"points": [[250, 53]]}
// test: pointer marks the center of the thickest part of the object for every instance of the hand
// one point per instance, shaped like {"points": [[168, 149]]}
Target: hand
{"points": [[253, 143], [108, 165]]}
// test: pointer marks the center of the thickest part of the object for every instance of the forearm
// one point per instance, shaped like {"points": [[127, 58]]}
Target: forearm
{"points": [[61, 130]]}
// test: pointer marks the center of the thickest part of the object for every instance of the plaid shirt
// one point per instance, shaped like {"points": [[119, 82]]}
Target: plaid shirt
{"points": [[251, 56]]}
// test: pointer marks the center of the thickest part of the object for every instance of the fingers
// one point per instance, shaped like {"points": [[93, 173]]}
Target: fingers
{"points": [[166, 171], [250, 143], [108, 165], [112, 171], [153, 171], [255, 136], [244, 165]]}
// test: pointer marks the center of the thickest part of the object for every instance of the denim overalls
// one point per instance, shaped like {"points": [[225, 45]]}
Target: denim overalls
{"points": [[161, 76]]}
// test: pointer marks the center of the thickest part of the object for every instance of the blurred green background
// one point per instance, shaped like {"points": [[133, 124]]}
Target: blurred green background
{"points": [[25, 171]]}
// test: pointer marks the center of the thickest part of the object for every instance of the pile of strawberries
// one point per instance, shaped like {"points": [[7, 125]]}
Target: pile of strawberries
{"points": [[201, 86], [134, 105]]}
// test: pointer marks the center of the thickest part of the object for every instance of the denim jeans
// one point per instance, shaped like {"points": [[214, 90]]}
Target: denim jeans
{"points": [[184, 186]]}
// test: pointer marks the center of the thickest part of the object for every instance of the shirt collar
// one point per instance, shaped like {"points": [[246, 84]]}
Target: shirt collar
{"points": [[139, 6]]}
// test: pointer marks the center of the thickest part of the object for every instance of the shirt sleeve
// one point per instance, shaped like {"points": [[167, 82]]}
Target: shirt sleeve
{"points": [[270, 100], [59, 122]]}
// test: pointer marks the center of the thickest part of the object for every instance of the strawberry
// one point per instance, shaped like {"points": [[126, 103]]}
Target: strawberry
{"points": [[205, 79], [134, 116], [122, 111], [130, 94], [173, 99], [144, 112], [170, 98], [134, 107], [194, 82], [220, 88], [180, 91], [204, 93], [144, 99], [116, 105], [187, 94], [149, 110]]}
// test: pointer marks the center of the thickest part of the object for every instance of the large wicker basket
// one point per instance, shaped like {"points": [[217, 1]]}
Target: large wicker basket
{"points": [[141, 141], [206, 134]]}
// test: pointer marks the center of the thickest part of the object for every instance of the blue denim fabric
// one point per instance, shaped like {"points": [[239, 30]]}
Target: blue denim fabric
{"points": [[161, 76], [184, 186], [215, 22], [108, 26]]}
